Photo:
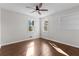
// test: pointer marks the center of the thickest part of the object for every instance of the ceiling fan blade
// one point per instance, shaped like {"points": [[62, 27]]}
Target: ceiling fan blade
{"points": [[43, 10], [40, 5], [39, 12], [29, 7], [33, 11]]}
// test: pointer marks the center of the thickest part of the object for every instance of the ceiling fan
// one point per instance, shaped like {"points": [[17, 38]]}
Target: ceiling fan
{"points": [[38, 8]]}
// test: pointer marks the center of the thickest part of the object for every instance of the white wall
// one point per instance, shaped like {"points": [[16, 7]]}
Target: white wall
{"points": [[0, 27], [64, 27], [15, 27]]}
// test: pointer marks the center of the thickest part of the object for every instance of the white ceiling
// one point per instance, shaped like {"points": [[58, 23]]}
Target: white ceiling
{"points": [[52, 8]]}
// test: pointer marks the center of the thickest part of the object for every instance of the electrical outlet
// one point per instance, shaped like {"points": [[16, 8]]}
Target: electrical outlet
{"points": [[30, 36]]}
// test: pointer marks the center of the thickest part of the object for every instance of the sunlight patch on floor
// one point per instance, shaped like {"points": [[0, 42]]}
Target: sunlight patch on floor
{"points": [[58, 49], [30, 49], [46, 51]]}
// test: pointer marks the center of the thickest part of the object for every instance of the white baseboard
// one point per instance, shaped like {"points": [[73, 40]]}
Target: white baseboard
{"points": [[19, 41], [52, 39], [45, 37]]}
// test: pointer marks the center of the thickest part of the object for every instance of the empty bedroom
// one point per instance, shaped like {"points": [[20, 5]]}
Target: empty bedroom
{"points": [[39, 29]]}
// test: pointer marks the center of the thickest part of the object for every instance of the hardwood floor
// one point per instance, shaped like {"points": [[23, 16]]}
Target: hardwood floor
{"points": [[38, 47]]}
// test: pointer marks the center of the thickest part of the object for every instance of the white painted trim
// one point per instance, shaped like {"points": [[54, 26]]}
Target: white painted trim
{"points": [[52, 39], [0, 46], [45, 37], [19, 41]]}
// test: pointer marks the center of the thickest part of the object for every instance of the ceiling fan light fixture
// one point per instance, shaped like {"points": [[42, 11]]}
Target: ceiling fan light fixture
{"points": [[38, 8]]}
